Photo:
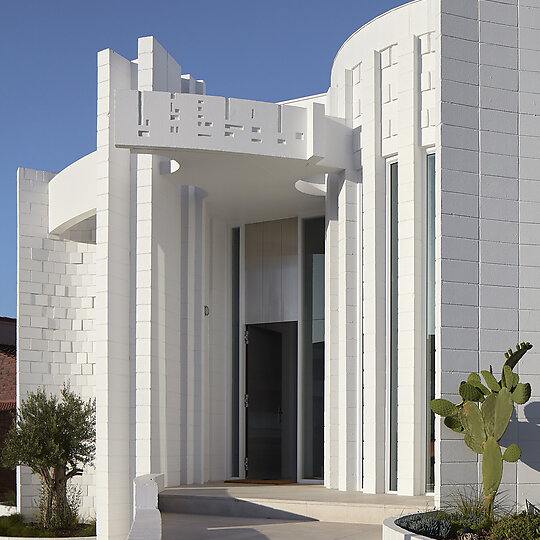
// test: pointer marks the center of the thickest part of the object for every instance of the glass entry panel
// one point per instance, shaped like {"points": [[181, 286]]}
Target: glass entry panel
{"points": [[313, 348], [271, 359]]}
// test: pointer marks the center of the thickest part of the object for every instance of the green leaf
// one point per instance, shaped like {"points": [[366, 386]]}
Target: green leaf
{"points": [[512, 453], [491, 381], [443, 407]]}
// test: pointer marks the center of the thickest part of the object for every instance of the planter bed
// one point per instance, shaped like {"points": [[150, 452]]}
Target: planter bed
{"points": [[391, 531]]}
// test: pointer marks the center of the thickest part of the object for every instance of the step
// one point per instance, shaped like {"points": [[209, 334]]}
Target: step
{"points": [[294, 502]]}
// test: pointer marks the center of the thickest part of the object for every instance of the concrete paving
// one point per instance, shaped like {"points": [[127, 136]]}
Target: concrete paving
{"points": [[203, 527], [288, 502]]}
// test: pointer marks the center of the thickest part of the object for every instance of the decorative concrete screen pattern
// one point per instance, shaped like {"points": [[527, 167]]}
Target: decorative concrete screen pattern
{"points": [[170, 120]]}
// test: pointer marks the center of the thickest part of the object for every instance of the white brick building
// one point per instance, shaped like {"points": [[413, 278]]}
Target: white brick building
{"points": [[198, 218]]}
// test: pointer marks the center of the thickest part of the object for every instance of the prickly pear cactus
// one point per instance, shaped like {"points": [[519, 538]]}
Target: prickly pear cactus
{"points": [[483, 416]]}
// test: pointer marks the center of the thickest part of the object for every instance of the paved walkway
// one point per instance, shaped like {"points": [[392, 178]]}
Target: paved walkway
{"points": [[202, 527]]}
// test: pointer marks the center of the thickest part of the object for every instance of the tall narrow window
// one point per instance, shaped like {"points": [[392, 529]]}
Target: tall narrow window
{"points": [[430, 323], [313, 349], [235, 339], [393, 323]]}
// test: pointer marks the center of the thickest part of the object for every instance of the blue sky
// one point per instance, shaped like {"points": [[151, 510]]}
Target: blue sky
{"points": [[270, 51]]}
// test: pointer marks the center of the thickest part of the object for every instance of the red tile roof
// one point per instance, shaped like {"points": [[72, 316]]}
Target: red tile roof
{"points": [[7, 405], [8, 377], [8, 350]]}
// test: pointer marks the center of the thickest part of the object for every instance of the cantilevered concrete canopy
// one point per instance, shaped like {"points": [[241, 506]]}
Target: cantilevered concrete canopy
{"points": [[244, 188], [246, 155]]}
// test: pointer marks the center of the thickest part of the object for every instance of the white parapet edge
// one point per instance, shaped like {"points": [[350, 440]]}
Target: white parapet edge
{"points": [[146, 515], [390, 531]]}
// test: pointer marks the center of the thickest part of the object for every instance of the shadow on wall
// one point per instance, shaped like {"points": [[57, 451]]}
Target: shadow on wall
{"points": [[526, 434]]}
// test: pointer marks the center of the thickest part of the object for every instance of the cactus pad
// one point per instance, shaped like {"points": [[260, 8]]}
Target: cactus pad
{"points": [[504, 407], [491, 381], [507, 377], [473, 425], [453, 423], [512, 453], [492, 467], [443, 407], [512, 358], [521, 393], [488, 414], [469, 392], [474, 444], [476, 381]]}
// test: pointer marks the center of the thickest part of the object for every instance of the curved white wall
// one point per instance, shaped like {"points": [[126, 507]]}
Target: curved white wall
{"points": [[72, 194], [385, 84]]}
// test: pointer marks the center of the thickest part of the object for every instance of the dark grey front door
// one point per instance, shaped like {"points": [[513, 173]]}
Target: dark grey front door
{"points": [[271, 382], [263, 414]]}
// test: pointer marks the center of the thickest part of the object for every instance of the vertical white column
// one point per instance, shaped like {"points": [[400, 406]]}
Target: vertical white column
{"points": [[157, 353], [331, 345], [374, 272], [112, 335], [412, 278], [348, 327]]}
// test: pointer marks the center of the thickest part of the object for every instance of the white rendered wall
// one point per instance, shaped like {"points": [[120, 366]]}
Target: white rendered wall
{"points": [[55, 318], [489, 215]]}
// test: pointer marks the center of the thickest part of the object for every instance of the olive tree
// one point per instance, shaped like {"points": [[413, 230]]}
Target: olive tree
{"points": [[56, 437]]}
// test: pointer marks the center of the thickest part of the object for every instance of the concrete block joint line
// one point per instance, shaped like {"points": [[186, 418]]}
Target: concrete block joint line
{"points": [[277, 290]]}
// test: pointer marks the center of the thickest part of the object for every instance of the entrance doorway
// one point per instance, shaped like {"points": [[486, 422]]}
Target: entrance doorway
{"points": [[271, 401]]}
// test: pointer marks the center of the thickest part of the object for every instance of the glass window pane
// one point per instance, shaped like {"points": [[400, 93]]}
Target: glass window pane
{"points": [[235, 328], [393, 323], [430, 323]]}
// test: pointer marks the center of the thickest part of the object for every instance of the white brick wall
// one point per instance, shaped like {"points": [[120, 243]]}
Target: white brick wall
{"points": [[489, 258], [55, 319], [528, 56]]}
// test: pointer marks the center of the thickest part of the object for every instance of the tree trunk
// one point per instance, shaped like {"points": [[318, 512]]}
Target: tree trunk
{"points": [[61, 512], [47, 510]]}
